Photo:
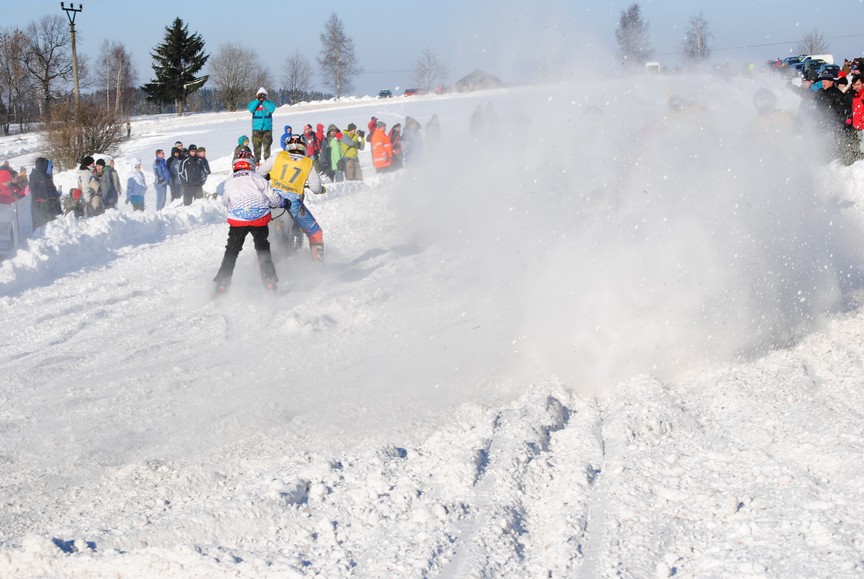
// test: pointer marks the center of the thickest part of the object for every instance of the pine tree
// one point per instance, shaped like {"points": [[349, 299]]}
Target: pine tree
{"points": [[175, 63]]}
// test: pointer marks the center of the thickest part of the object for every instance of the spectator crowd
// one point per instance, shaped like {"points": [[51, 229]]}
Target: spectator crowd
{"points": [[180, 176], [832, 101]]}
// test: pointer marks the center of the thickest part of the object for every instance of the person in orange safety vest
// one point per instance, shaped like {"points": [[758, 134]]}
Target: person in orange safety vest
{"points": [[382, 149]]}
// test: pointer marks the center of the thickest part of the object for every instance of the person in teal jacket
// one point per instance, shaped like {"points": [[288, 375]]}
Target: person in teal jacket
{"points": [[262, 124]]}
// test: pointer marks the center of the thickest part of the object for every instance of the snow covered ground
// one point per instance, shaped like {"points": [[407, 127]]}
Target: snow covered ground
{"points": [[604, 337]]}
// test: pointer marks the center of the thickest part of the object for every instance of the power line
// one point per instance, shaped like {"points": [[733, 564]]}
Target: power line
{"points": [[761, 45]]}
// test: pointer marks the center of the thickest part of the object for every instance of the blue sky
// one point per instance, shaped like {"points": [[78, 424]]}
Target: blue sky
{"points": [[515, 41]]}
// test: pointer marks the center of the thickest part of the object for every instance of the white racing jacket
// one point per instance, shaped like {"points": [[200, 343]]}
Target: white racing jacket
{"points": [[249, 197]]}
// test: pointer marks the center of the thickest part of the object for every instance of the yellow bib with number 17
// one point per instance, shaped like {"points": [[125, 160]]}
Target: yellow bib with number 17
{"points": [[290, 174]]}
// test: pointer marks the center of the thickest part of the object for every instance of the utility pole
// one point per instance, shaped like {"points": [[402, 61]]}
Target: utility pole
{"points": [[71, 12]]}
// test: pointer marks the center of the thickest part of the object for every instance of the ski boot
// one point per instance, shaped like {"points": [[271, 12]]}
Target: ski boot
{"points": [[316, 246]]}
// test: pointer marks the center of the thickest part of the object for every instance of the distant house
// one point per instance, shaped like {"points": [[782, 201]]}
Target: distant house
{"points": [[477, 80]]}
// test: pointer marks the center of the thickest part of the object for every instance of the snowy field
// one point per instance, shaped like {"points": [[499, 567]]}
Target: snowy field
{"points": [[604, 337]]}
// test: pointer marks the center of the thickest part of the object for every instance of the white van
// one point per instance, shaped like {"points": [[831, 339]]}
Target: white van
{"points": [[828, 58]]}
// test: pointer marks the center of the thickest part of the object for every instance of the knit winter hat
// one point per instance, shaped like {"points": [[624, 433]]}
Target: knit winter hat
{"points": [[351, 127], [86, 162], [100, 162], [262, 90], [192, 148], [242, 140]]}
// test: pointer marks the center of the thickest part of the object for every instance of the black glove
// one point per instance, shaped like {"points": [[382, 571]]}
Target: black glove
{"points": [[361, 132], [267, 176]]}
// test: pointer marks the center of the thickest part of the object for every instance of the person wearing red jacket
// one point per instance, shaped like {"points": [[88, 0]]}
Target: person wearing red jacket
{"points": [[9, 191], [310, 139], [857, 84], [373, 122]]}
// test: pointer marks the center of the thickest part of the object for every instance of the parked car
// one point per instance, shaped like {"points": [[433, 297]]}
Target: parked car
{"points": [[832, 69], [829, 58], [409, 92], [385, 94], [809, 66]]}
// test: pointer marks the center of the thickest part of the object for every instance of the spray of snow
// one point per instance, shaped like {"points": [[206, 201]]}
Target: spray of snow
{"points": [[641, 224]]}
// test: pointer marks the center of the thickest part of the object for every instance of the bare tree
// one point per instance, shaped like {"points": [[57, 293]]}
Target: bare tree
{"points": [[429, 72], [297, 76], [116, 77], [337, 59], [632, 37], [236, 71], [812, 43], [16, 83], [50, 54], [695, 46], [68, 137]]}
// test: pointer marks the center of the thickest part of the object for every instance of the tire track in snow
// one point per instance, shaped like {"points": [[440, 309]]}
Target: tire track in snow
{"points": [[525, 482]]}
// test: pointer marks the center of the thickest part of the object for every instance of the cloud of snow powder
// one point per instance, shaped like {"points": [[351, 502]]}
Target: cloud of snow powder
{"points": [[521, 44], [647, 224]]}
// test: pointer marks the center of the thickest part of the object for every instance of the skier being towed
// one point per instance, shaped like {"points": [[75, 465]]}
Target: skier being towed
{"points": [[289, 171]]}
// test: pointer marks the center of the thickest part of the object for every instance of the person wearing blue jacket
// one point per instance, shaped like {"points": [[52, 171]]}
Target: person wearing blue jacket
{"points": [[262, 124], [162, 177], [286, 136]]}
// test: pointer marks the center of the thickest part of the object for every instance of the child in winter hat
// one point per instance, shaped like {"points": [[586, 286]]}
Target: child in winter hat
{"points": [[242, 145]]}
